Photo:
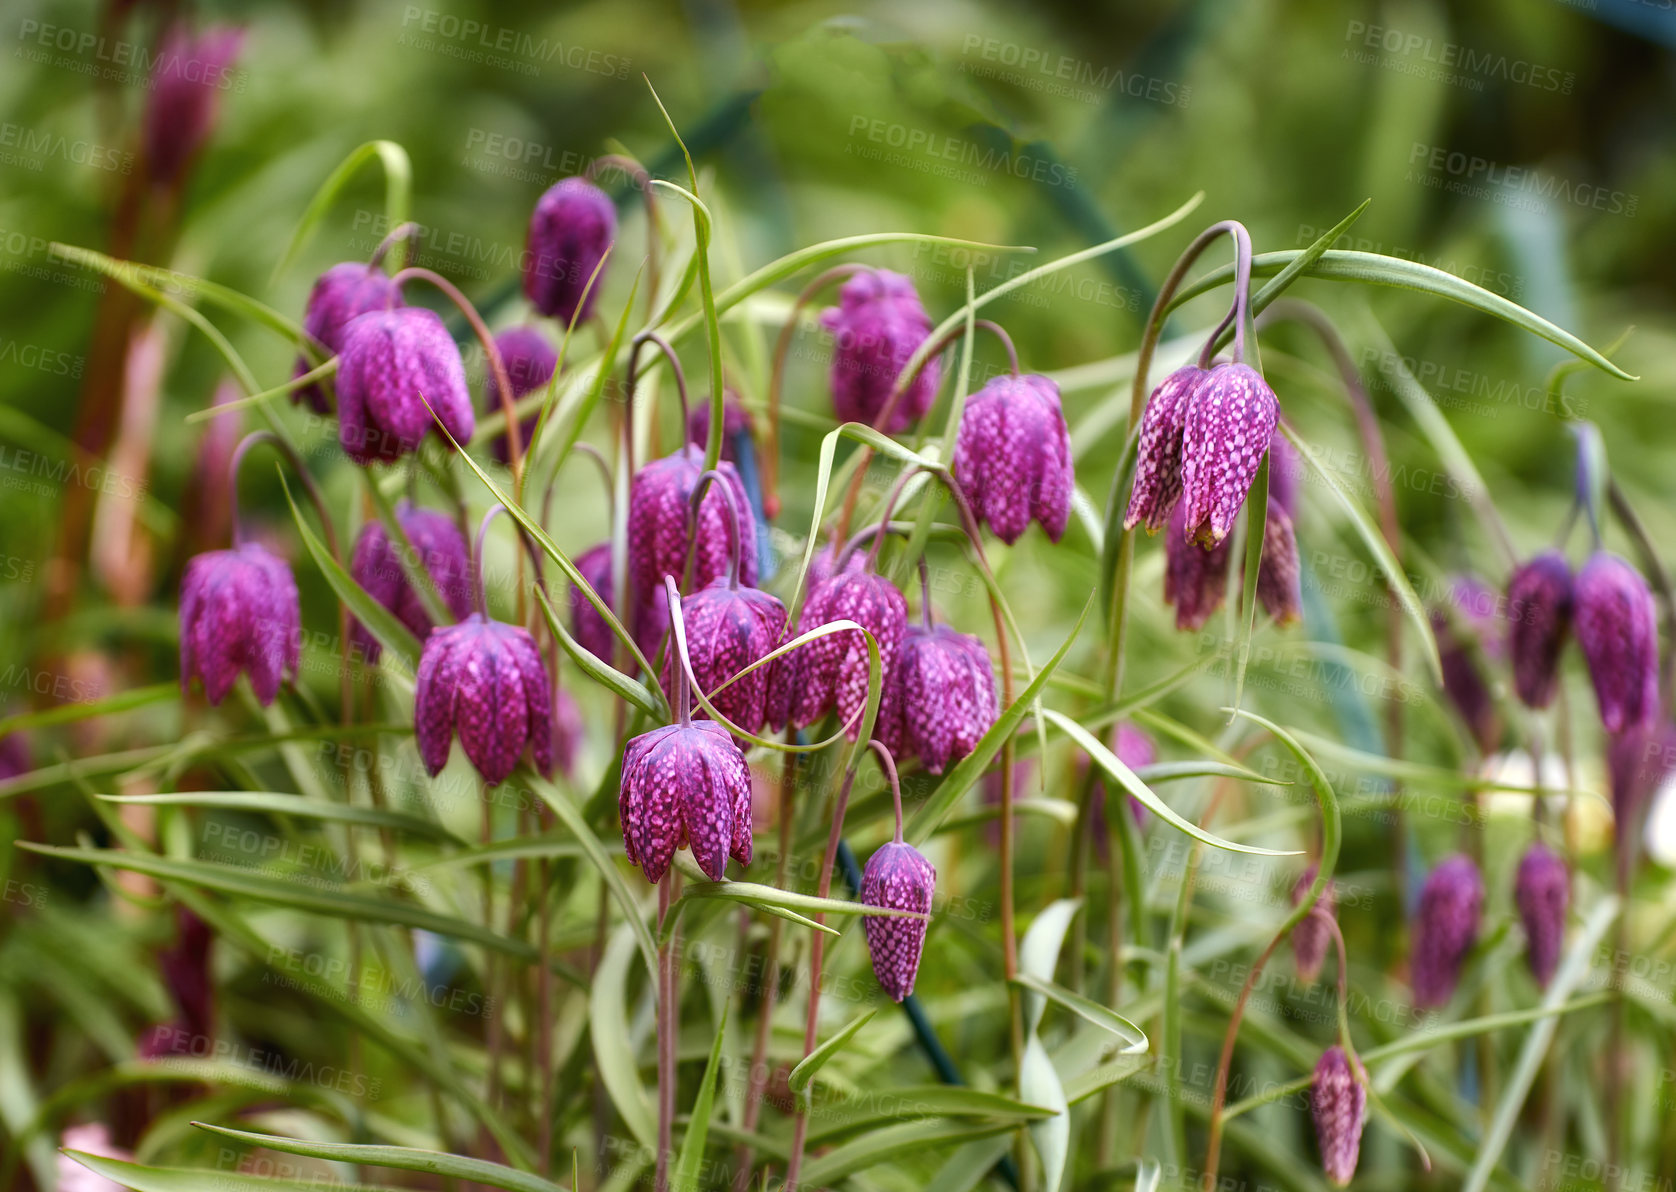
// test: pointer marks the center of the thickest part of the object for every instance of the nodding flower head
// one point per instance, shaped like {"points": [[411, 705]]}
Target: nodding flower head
{"points": [[1158, 463], [588, 627], [1539, 609], [1616, 625], [440, 552], [1012, 457], [941, 698], [342, 293], [685, 786], [1446, 927], [1638, 760], [572, 226], [736, 422], [187, 80], [529, 360], [1279, 581], [899, 878], [1542, 891], [1339, 1105], [1311, 935], [878, 324], [1195, 576], [397, 366], [1230, 420], [485, 679], [1471, 620], [729, 628], [239, 612], [831, 671]]}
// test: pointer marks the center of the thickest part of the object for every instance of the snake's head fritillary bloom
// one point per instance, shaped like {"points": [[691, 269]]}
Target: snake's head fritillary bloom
{"points": [[1638, 760], [239, 613], [899, 878], [1195, 576], [685, 786], [728, 629], [572, 226], [485, 680], [831, 671], [1012, 457], [1311, 936], [187, 80], [529, 359], [1158, 453], [1445, 928], [877, 324], [1539, 609], [397, 366], [1542, 891], [736, 423], [586, 625], [1286, 474], [1472, 619], [439, 551], [1231, 417], [941, 698], [1617, 628], [341, 294], [1339, 1105], [1279, 574]]}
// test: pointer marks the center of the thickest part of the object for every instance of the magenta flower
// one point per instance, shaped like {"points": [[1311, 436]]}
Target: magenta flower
{"points": [[1012, 457], [1338, 1103], [1446, 927], [831, 671], [1637, 762], [341, 294], [529, 360], [187, 80], [1542, 892], [1617, 628], [736, 421], [572, 226], [685, 786], [239, 612], [941, 697], [1158, 452], [485, 679], [1195, 576], [898, 878], [1475, 619], [394, 363], [878, 325], [440, 552], [586, 625], [729, 628], [1279, 581], [1311, 936], [1539, 607]]}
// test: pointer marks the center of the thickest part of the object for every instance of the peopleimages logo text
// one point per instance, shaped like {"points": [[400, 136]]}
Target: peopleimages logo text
{"points": [[1479, 174]]}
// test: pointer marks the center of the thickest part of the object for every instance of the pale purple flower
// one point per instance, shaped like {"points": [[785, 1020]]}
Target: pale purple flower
{"points": [[440, 552], [899, 878], [341, 294], [572, 226], [568, 731], [685, 786], [831, 671], [1617, 628], [188, 77], [736, 421], [1279, 583], [586, 625], [941, 697], [1473, 618], [1231, 417], [1539, 609], [729, 628], [396, 367], [1311, 936], [239, 612], [485, 679], [1338, 1103], [91, 1138], [529, 360], [1542, 892], [1158, 452], [877, 326], [1445, 928], [1286, 474], [1195, 576], [1012, 457]]}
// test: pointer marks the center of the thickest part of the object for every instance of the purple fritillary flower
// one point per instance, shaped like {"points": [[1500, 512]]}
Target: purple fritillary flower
{"points": [[441, 552], [239, 612], [941, 699], [1230, 420], [685, 786], [898, 878], [659, 497], [831, 671], [1617, 627], [572, 226], [586, 625], [736, 421], [1637, 761], [1542, 891], [1339, 1103], [1012, 457], [568, 731], [1158, 453], [1446, 927], [1311, 937], [727, 630], [530, 360], [1476, 616], [878, 324], [1195, 576], [187, 79], [392, 364], [484, 678], [1279, 584], [186, 973], [1134, 749], [342, 293], [1539, 607], [1286, 474]]}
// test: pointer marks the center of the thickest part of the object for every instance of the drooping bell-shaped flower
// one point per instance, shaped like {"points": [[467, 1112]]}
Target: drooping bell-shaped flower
{"points": [[685, 786], [1311, 935], [239, 612], [1638, 761], [572, 226], [831, 671], [1472, 619], [728, 628], [1445, 928], [396, 367], [736, 422], [1539, 612], [941, 697], [1279, 578], [897, 877], [341, 294], [529, 360], [586, 625], [877, 325], [1617, 628], [1012, 457], [1195, 576], [188, 77], [484, 679], [1542, 891], [1338, 1103], [1230, 420], [439, 550], [1158, 452]]}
